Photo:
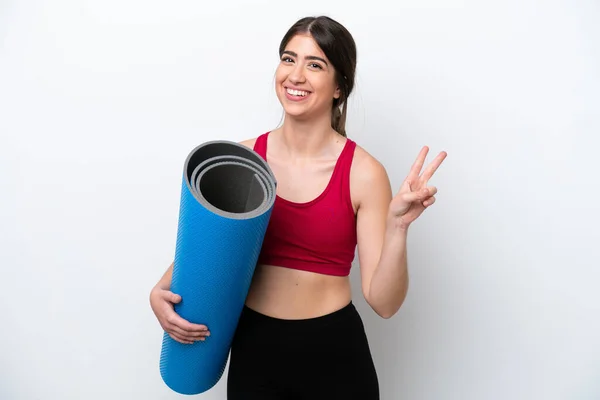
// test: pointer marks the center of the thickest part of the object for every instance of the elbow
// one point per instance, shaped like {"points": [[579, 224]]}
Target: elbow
{"points": [[386, 315], [387, 309], [387, 312]]}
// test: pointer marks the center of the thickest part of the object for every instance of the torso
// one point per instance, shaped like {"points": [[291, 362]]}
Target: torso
{"points": [[290, 293]]}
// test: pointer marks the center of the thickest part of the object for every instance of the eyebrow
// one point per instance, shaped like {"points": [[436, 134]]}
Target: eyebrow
{"points": [[291, 53]]}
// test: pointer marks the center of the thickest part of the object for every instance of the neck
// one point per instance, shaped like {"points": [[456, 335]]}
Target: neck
{"points": [[307, 138]]}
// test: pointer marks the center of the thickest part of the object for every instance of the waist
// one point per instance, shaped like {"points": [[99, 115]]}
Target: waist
{"points": [[286, 293], [300, 325]]}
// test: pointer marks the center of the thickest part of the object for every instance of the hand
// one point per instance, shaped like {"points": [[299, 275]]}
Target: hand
{"points": [[178, 328], [414, 195]]}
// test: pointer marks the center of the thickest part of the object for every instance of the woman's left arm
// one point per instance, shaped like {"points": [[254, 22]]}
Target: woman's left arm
{"points": [[382, 229]]}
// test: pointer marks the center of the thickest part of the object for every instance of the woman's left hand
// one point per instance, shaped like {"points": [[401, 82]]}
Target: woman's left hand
{"points": [[414, 195]]}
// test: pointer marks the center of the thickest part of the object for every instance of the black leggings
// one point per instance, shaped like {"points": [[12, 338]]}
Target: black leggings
{"points": [[326, 357]]}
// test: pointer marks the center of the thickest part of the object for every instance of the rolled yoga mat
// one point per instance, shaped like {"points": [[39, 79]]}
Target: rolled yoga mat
{"points": [[227, 196]]}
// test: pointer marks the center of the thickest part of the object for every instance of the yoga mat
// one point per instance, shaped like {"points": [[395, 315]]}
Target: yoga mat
{"points": [[227, 196]]}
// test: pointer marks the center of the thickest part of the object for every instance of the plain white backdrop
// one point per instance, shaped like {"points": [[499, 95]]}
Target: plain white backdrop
{"points": [[100, 102]]}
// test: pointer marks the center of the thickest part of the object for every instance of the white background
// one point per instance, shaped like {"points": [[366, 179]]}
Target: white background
{"points": [[100, 102]]}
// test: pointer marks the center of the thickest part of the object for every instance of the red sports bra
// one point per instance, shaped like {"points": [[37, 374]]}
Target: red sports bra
{"points": [[319, 235]]}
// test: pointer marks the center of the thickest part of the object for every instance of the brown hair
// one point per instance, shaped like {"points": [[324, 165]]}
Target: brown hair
{"points": [[339, 47]]}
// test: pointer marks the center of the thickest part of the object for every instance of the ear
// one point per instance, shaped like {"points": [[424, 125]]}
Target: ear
{"points": [[337, 93]]}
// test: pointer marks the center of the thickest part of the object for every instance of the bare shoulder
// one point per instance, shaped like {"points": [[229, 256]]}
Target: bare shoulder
{"points": [[366, 169], [368, 178], [248, 142]]}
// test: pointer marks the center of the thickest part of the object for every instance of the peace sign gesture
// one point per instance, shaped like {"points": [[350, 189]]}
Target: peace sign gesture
{"points": [[414, 195]]}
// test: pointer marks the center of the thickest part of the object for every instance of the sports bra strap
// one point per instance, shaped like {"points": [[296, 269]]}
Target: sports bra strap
{"points": [[260, 145], [341, 177]]}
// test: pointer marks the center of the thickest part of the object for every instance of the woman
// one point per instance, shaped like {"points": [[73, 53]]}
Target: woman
{"points": [[300, 336]]}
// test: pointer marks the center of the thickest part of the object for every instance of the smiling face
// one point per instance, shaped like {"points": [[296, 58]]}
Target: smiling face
{"points": [[305, 79]]}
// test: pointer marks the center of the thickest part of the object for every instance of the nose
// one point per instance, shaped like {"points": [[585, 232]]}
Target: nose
{"points": [[297, 74]]}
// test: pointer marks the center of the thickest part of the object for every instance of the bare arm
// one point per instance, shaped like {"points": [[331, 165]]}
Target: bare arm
{"points": [[381, 247], [162, 301], [389, 279], [165, 281], [382, 228]]}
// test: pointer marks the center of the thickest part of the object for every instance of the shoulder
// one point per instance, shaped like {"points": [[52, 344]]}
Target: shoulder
{"points": [[248, 142], [252, 141], [366, 169], [368, 178]]}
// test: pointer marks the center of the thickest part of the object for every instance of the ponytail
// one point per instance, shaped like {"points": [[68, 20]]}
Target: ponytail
{"points": [[338, 119]]}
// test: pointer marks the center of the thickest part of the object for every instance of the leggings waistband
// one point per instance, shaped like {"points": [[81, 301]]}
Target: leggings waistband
{"points": [[251, 315]]}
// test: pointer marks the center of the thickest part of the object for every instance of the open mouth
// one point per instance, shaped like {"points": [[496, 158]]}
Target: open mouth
{"points": [[296, 94]]}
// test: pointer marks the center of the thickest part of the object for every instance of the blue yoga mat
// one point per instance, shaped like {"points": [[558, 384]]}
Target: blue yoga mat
{"points": [[227, 196]]}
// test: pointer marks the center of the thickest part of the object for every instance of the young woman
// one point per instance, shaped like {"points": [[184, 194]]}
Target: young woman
{"points": [[300, 336]]}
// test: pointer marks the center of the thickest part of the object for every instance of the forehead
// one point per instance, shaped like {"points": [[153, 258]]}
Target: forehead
{"points": [[304, 45]]}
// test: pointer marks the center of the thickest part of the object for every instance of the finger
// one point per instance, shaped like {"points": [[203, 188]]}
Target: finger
{"points": [[170, 296], [188, 326], [175, 319], [432, 190], [420, 196], [433, 166], [187, 334], [429, 201], [180, 339], [182, 326], [418, 164], [405, 187]]}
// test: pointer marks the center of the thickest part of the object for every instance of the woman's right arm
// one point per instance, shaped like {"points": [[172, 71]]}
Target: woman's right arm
{"points": [[165, 280], [162, 301]]}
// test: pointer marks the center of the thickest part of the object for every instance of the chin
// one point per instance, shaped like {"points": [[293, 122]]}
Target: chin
{"points": [[294, 109], [298, 113]]}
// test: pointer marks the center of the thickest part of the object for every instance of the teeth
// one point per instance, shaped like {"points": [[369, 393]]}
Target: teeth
{"points": [[297, 92]]}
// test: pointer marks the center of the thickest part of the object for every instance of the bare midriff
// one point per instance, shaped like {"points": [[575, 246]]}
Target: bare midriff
{"points": [[294, 294]]}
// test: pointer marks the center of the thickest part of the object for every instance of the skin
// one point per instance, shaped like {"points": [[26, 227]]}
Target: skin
{"points": [[302, 154]]}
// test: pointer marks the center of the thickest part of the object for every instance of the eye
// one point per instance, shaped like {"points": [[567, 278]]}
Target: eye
{"points": [[287, 59], [315, 65]]}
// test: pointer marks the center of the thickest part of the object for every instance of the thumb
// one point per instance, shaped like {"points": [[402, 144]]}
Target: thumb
{"points": [[173, 298]]}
